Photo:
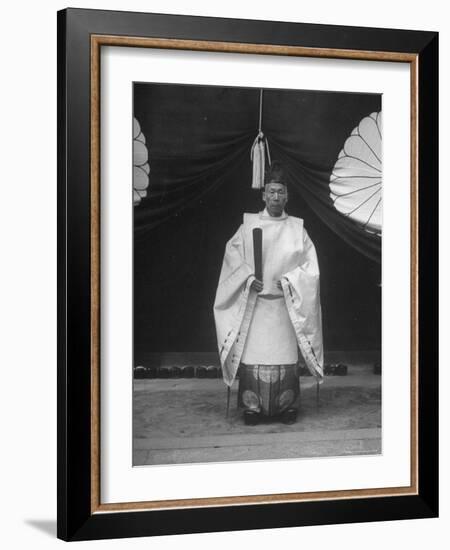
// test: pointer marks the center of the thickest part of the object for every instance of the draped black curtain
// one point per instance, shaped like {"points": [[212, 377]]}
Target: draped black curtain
{"points": [[199, 140]]}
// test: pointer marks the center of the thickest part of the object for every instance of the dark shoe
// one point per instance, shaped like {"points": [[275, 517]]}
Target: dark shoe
{"points": [[289, 416], [251, 418]]}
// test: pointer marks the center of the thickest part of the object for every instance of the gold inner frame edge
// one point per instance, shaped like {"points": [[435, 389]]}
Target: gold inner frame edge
{"points": [[97, 41]]}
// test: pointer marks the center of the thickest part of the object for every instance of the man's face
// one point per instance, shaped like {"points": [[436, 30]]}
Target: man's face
{"points": [[275, 196]]}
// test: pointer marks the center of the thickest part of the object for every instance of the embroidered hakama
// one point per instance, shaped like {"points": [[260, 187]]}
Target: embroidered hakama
{"points": [[268, 389]]}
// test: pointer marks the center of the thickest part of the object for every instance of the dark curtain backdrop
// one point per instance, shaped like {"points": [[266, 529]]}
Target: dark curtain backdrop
{"points": [[199, 140]]}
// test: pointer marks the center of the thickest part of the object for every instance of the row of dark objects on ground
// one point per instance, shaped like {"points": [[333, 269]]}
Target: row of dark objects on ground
{"points": [[212, 371]]}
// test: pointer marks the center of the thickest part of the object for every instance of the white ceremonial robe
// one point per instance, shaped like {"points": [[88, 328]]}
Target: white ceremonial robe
{"points": [[268, 327]]}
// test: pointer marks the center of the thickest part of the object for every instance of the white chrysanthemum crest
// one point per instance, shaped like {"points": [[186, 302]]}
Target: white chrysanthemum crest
{"points": [[356, 179], [141, 167]]}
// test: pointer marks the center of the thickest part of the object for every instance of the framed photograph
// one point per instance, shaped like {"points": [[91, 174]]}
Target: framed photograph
{"points": [[247, 255]]}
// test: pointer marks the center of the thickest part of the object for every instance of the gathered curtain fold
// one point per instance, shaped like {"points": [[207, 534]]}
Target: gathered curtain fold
{"points": [[303, 131]]}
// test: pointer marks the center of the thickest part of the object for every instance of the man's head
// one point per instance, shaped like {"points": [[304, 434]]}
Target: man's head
{"points": [[275, 193]]}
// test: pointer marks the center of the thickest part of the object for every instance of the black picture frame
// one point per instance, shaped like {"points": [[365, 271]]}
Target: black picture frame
{"points": [[78, 516]]}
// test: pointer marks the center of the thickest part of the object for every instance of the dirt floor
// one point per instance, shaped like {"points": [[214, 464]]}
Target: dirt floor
{"points": [[184, 421]]}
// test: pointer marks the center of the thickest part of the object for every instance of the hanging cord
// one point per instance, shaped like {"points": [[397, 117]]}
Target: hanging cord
{"points": [[260, 132], [258, 151], [260, 109], [268, 152]]}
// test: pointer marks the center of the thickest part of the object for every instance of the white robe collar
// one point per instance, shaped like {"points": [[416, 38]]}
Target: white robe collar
{"points": [[264, 215]]}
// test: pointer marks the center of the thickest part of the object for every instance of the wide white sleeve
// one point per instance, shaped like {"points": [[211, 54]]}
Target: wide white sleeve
{"points": [[234, 274], [233, 306], [301, 288]]}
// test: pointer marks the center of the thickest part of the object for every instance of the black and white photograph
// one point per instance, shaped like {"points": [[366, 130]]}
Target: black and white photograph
{"points": [[257, 276], [223, 270]]}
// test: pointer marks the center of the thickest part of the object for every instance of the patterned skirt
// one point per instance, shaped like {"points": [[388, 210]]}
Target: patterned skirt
{"points": [[268, 389]]}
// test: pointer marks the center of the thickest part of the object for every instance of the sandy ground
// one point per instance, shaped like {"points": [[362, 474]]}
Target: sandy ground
{"points": [[184, 421]]}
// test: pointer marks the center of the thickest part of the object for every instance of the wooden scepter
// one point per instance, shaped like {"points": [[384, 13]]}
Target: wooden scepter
{"points": [[257, 252]]}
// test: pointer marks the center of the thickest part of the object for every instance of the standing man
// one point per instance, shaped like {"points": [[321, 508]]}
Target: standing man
{"points": [[261, 323]]}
